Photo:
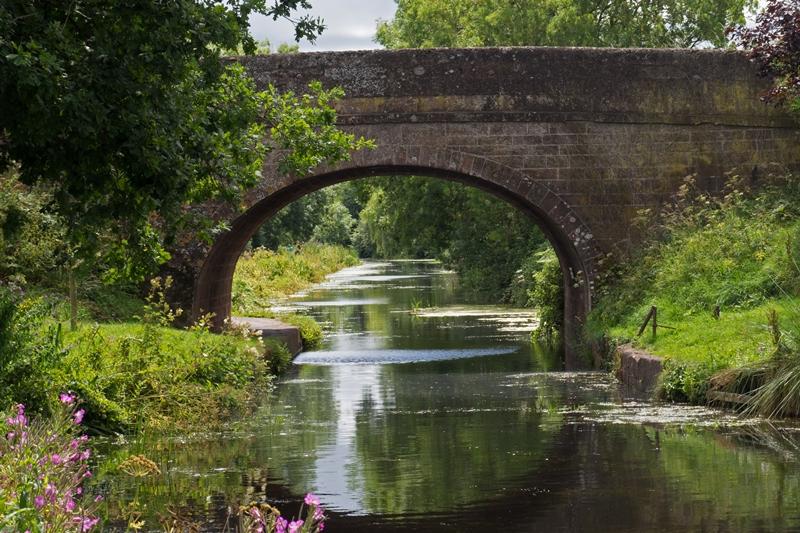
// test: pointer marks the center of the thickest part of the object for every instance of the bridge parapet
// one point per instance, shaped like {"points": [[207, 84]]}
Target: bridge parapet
{"points": [[531, 85]]}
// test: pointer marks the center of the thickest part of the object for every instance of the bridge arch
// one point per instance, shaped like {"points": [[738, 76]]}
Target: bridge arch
{"points": [[571, 238], [581, 139]]}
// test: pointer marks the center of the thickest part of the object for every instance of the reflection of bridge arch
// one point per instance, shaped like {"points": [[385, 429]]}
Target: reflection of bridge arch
{"points": [[581, 139], [568, 235]]}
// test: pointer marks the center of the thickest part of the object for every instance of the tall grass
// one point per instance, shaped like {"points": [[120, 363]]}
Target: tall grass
{"points": [[734, 252], [263, 276], [777, 390]]}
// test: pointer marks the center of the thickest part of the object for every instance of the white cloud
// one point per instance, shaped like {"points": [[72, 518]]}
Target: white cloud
{"points": [[350, 25]]}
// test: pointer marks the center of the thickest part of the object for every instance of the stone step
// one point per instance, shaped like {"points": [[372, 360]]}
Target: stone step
{"points": [[272, 328]]}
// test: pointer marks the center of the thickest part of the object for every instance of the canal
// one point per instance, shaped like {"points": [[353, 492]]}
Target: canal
{"points": [[426, 410]]}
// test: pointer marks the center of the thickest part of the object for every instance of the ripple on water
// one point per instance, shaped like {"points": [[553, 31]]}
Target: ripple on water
{"points": [[374, 357]]}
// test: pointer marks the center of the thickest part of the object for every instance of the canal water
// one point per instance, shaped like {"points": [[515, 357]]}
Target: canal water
{"points": [[424, 411]]}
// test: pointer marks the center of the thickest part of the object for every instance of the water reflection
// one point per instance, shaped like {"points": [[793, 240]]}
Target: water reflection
{"points": [[487, 440]]}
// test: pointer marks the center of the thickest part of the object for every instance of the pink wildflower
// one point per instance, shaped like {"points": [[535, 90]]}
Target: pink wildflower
{"points": [[310, 499], [78, 416], [20, 419], [38, 502], [294, 526], [281, 524], [256, 514], [88, 523], [56, 459], [66, 398]]}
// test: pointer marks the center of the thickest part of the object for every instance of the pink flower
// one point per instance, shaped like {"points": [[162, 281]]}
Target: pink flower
{"points": [[294, 526], [56, 459], [69, 505], [310, 499], [88, 523], [66, 398], [78, 416], [20, 419], [50, 492], [38, 502], [281, 525]]}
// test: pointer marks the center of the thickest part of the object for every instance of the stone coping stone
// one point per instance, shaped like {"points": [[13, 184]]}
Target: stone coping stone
{"points": [[271, 328], [638, 369]]}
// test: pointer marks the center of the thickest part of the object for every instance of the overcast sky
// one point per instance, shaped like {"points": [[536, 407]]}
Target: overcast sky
{"points": [[350, 25]]}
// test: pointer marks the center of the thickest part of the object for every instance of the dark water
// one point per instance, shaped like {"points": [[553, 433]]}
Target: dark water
{"points": [[448, 419]]}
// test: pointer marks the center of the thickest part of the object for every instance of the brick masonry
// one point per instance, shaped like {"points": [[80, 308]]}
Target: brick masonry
{"points": [[580, 139]]}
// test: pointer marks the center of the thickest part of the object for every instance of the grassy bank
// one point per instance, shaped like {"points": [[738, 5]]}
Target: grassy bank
{"points": [[264, 276], [738, 254], [135, 374]]}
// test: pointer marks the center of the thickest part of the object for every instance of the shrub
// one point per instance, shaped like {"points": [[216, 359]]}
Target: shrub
{"points": [[29, 347], [539, 283], [277, 355], [30, 238], [682, 381]]}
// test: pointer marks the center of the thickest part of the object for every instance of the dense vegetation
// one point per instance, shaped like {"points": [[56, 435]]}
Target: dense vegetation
{"points": [[130, 375], [619, 23], [716, 270]]}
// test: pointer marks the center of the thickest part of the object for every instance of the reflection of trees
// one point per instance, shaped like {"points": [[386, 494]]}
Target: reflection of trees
{"points": [[629, 478], [479, 459], [445, 444]]}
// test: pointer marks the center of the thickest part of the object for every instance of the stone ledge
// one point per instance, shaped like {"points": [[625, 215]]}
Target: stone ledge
{"points": [[637, 369], [271, 328]]}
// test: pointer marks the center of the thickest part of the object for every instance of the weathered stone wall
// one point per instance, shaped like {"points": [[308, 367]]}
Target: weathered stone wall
{"points": [[581, 139]]}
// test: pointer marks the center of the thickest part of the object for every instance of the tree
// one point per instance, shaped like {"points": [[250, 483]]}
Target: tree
{"points": [[617, 23], [774, 43], [335, 226], [125, 109]]}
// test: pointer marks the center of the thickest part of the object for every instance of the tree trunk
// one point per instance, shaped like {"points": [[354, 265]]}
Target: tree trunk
{"points": [[73, 301]]}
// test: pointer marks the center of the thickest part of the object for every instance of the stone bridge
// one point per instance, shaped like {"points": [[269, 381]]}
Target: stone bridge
{"points": [[580, 139]]}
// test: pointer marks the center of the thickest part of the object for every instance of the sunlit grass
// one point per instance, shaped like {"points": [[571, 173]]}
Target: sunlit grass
{"points": [[264, 276]]}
